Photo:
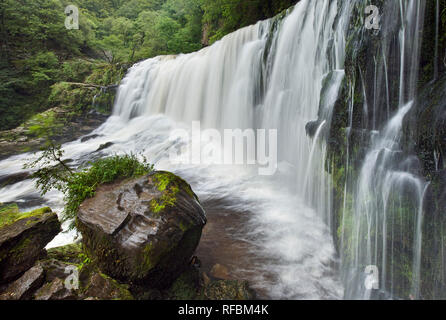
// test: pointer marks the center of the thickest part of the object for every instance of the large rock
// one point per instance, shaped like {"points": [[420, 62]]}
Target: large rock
{"points": [[228, 290], [142, 231], [71, 253], [67, 281], [23, 288], [101, 287], [55, 290], [23, 237]]}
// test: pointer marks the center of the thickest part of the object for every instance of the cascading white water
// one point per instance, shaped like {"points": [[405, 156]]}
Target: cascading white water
{"points": [[388, 198], [383, 187], [261, 77], [270, 76]]}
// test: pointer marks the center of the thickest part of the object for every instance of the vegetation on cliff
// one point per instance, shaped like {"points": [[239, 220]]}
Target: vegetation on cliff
{"points": [[354, 126], [39, 56]]}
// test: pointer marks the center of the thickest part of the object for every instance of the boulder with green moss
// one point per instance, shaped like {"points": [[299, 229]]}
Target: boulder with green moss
{"points": [[142, 231], [186, 286], [23, 237], [55, 290], [101, 287], [228, 290], [71, 253]]}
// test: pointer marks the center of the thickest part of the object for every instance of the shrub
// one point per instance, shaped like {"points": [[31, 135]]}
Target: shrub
{"points": [[83, 184], [78, 186]]}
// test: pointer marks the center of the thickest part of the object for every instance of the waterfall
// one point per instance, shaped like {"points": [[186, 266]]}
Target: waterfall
{"points": [[279, 75], [388, 195], [285, 75], [268, 76]]}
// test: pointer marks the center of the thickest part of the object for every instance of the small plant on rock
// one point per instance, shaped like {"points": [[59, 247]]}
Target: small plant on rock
{"points": [[54, 173]]}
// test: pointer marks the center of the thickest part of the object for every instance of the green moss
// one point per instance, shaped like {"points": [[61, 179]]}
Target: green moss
{"points": [[9, 209], [20, 249], [100, 286], [169, 185], [10, 214], [184, 227], [228, 290], [71, 253], [121, 291], [186, 286], [148, 262]]}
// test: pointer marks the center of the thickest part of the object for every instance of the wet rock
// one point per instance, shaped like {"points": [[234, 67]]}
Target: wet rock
{"points": [[67, 281], [149, 294], [55, 290], [20, 139], [220, 272], [55, 269], [312, 127], [102, 287], [13, 178], [426, 129], [186, 286], [90, 137], [104, 146], [142, 231], [26, 285], [228, 290], [23, 237], [70, 253]]}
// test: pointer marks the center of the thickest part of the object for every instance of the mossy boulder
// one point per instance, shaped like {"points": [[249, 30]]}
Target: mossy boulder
{"points": [[196, 285], [186, 286], [143, 231], [228, 290], [23, 237], [101, 287], [55, 290], [71, 253]]}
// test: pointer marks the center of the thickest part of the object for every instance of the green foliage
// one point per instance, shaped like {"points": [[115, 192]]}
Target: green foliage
{"points": [[54, 173], [43, 125], [225, 16], [10, 214], [83, 184], [38, 51], [84, 259], [170, 185]]}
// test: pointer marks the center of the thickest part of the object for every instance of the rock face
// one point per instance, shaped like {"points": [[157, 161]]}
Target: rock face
{"points": [[23, 237], [22, 288], [229, 290], [69, 254], [99, 286], [138, 239], [142, 231], [55, 290]]}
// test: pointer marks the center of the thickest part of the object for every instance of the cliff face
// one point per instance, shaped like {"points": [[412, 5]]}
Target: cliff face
{"points": [[397, 203]]}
